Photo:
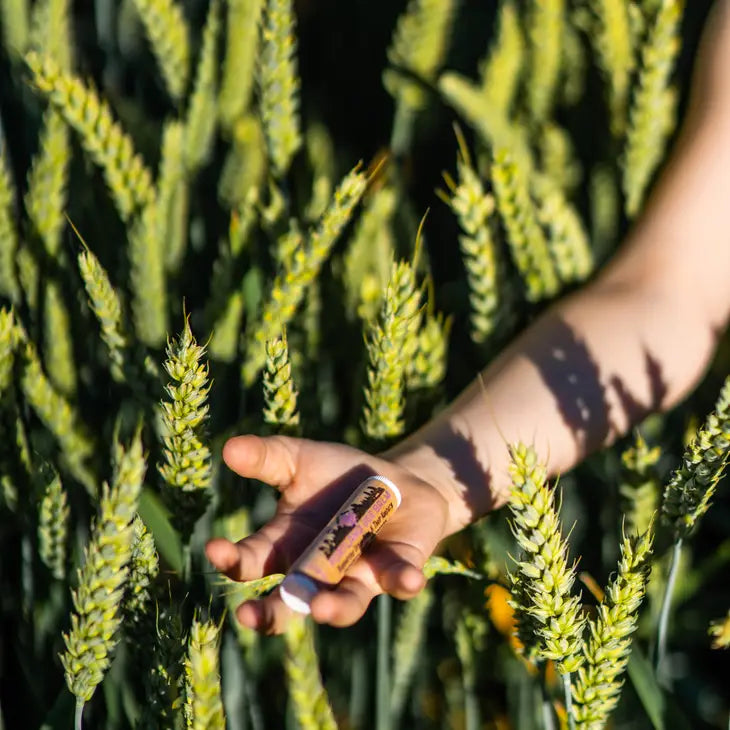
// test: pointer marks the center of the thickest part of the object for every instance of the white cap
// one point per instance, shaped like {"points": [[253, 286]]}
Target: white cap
{"points": [[297, 592], [388, 483]]}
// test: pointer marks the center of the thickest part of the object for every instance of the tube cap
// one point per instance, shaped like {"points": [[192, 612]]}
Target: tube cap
{"points": [[388, 483], [297, 592]]}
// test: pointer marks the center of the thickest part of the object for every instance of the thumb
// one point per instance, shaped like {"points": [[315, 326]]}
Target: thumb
{"points": [[271, 459]]}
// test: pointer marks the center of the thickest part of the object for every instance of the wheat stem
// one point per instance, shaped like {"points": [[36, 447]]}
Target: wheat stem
{"points": [[661, 642]]}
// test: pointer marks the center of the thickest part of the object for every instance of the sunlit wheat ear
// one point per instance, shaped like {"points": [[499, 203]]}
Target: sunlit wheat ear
{"points": [[290, 284], [598, 684], [566, 235], [129, 181], [200, 121], [10, 338], [101, 580], [640, 485], [203, 703], [428, 367], [146, 252], [526, 240], [53, 527], [58, 342], [419, 45], [720, 632], [144, 567], [502, 68], [15, 27], [652, 114], [280, 395], [169, 38], [59, 418], [308, 696], [612, 39], [245, 164], [474, 209], [549, 617], [366, 262], [545, 22], [278, 82], [186, 468], [689, 492], [239, 63], [51, 31], [391, 339], [106, 305], [45, 201], [9, 286], [558, 158]]}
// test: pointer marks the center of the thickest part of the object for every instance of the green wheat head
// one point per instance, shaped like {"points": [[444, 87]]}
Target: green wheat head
{"points": [[29, 276], [51, 31], [391, 342], [53, 527], [129, 181], [279, 84], [280, 395], [58, 342], [45, 201], [245, 165], [419, 45], [427, 368], [15, 24], [652, 111], [640, 487], [308, 695], [525, 237], [596, 691], [612, 40], [501, 70], [549, 618], [203, 702], [200, 121], [144, 567], [473, 208], [239, 63], [720, 632], [9, 286], [366, 263], [558, 159], [9, 340], [689, 492], [106, 305], [545, 21], [58, 416], [300, 271], [567, 238], [168, 33], [101, 581]]}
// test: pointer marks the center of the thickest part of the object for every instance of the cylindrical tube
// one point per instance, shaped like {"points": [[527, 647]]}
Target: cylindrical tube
{"points": [[340, 542]]}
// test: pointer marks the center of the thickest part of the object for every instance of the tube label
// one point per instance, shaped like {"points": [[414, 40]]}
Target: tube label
{"points": [[349, 532]]}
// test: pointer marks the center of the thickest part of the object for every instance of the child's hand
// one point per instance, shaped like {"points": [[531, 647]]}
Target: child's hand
{"points": [[314, 479]]}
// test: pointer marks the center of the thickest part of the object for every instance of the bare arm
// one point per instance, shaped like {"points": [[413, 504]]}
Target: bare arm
{"points": [[635, 340]]}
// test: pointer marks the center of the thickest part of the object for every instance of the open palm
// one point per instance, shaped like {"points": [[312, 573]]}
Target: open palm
{"points": [[314, 479]]}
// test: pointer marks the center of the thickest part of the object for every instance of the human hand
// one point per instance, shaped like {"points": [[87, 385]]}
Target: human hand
{"points": [[314, 479]]}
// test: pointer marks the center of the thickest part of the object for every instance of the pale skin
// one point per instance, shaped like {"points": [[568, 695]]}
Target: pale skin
{"points": [[634, 340]]}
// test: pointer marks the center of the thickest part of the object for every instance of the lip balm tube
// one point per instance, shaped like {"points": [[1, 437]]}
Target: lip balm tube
{"points": [[340, 542]]}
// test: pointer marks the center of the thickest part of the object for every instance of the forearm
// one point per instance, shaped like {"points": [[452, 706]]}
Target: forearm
{"points": [[635, 340]]}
